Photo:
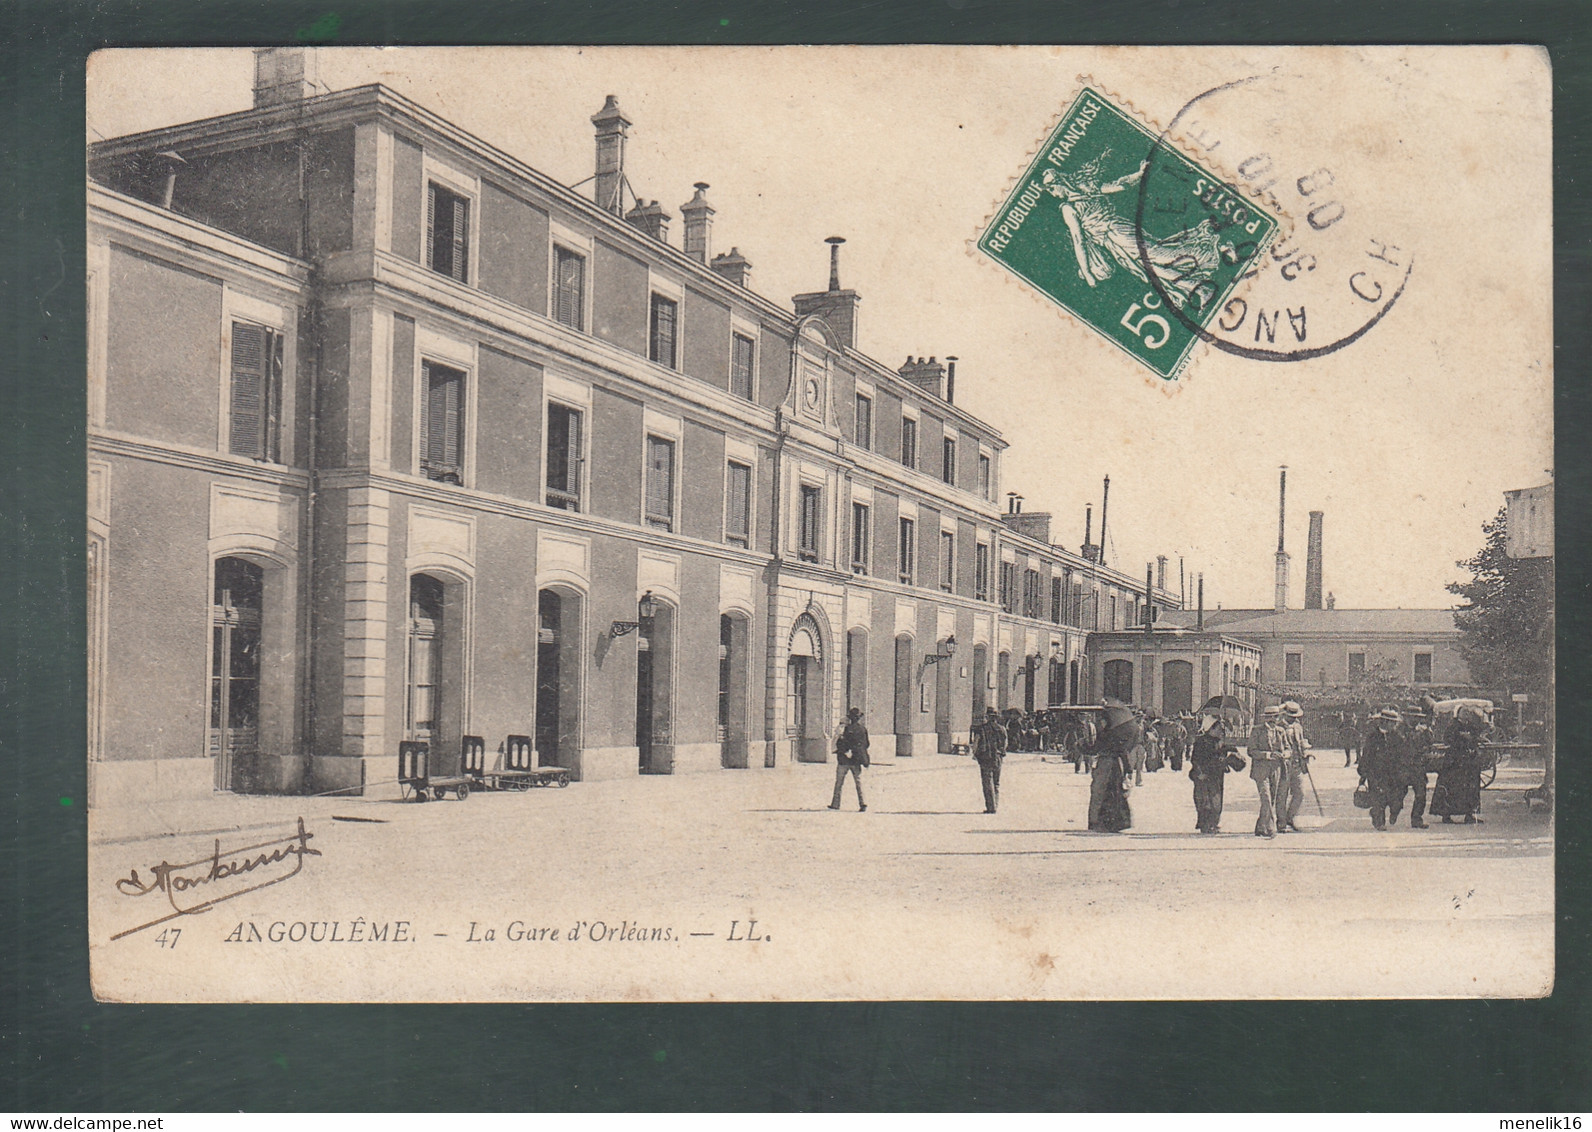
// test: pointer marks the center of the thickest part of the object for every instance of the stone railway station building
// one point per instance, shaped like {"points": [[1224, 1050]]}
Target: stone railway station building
{"points": [[393, 437]]}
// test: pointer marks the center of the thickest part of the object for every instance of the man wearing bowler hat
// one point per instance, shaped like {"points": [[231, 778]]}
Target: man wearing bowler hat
{"points": [[851, 755], [989, 748], [1381, 765]]}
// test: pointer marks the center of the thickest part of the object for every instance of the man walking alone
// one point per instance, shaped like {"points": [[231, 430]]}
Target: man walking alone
{"points": [[1266, 767], [851, 755], [989, 748]]}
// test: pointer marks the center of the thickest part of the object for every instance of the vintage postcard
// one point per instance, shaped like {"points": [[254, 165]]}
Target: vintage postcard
{"points": [[795, 523]]}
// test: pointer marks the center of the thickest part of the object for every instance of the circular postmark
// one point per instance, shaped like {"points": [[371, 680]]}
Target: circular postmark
{"points": [[1334, 269]]}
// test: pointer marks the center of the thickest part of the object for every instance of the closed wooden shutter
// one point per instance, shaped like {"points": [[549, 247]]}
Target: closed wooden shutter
{"points": [[570, 288], [738, 523], [431, 225], [660, 482], [461, 239], [249, 373], [441, 422]]}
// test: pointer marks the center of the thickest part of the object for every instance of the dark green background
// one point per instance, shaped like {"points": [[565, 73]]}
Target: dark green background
{"points": [[60, 1051]]}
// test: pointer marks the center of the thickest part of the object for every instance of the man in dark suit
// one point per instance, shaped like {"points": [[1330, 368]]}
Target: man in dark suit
{"points": [[851, 755], [989, 748]]}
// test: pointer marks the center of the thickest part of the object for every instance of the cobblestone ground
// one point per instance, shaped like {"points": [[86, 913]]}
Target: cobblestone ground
{"points": [[922, 896]]}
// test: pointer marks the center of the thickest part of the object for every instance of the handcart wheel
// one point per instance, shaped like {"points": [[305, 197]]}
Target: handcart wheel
{"points": [[1488, 775], [563, 780], [462, 791], [420, 794]]}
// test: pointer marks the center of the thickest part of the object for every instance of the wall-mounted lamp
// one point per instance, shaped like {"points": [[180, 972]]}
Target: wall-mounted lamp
{"points": [[950, 650], [646, 608]]}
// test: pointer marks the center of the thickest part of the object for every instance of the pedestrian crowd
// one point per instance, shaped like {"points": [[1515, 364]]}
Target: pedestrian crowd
{"points": [[1117, 745]]}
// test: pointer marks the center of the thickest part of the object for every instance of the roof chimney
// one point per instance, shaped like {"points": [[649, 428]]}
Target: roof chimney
{"points": [[282, 74], [1160, 572], [1089, 550], [698, 220], [1313, 563], [1280, 597], [1105, 500], [734, 267], [928, 376], [612, 129], [1199, 618], [950, 379], [836, 307], [652, 218]]}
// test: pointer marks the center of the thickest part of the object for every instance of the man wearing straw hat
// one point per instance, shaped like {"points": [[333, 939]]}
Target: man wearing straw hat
{"points": [[1295, 750]]}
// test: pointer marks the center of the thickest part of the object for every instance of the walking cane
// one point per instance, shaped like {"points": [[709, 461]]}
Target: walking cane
{"points": [[1313, 789]]}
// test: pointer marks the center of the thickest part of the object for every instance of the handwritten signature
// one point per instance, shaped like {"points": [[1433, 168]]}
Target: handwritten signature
{"points": [[196, 886]]}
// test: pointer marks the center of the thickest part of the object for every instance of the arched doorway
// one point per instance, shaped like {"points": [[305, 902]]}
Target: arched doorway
{"points": [[1056, 684], [1074, 691], [235, 637], [903, 695], [804, 689], [943, 670], [1117, 678], [734, 653], [1003, 681], [655, 687], [1177, 687], [1030, 679], [558, 673]]}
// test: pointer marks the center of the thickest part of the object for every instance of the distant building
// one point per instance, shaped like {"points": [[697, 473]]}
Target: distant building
{"points": [[1321, 651]]}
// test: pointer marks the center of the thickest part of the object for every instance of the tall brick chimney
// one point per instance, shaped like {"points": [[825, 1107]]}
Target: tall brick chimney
{"points": [[1313, 563], [697, 216], [1160, 572], [836, 307], [612, 129], [1280, 602], [282, 74]]}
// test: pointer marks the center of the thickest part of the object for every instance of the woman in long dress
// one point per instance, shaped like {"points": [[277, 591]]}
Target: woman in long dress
{"points": [[1208, 771], [1458, 790], [1103, 240], [1108, 786]]}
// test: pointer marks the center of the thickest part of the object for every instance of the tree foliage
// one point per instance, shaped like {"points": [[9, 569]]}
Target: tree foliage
{"points": [[1506, 618]]}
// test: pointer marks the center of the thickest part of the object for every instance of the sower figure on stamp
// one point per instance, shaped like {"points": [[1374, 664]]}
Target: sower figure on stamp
{"points": [[851, 755], [1296, 750], [989, 748], [1266, 756]]}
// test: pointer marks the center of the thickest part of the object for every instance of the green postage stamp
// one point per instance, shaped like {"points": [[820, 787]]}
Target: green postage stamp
{"points": [[1127, 234]]}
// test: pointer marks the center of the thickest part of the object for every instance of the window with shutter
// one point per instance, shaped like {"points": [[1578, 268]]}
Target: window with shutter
{"points": [[253, 425], [907, 551], [1055, 600], [448, 233], [564, 457], [947, 561], [864, 421], [665, 316], [569, 289], [442, 423], [909, 442], [948, 461], [981, 571], [985, 487], [861, 537], [809, 523], [738, 505], [741, 366], [660, 483]]}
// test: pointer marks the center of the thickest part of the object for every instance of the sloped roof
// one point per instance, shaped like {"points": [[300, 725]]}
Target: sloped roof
{"points": [[1339, 622]]}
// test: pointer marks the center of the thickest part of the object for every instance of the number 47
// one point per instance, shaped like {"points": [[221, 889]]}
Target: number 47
{"points": [[168, 938], [1138, 329]]}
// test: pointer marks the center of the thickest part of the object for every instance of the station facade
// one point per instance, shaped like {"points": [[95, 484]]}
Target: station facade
{"points": [[393, 437]]}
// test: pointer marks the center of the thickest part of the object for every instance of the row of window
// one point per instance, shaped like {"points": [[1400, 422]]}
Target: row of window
{"points": [[864, 437], [447, 252], [1294, 662]]}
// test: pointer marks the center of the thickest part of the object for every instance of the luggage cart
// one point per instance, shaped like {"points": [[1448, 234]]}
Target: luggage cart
{"points": [[415, 781], [517, 772]]}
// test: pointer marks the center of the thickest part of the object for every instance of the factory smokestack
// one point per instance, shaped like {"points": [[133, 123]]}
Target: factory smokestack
{"points": [[1199, 621], [1281, 598], [1313, 563]]}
